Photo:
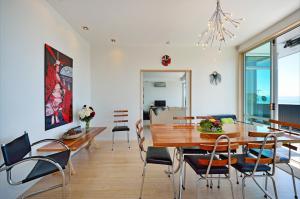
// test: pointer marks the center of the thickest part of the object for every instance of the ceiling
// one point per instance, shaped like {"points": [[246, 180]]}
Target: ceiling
{"points": [[154, 22]]}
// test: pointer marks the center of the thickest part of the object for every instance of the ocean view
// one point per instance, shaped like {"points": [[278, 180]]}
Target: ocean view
{"points": [[293, 100]]}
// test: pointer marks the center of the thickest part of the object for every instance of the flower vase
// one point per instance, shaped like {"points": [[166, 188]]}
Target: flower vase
{"points": [[87, 126]]}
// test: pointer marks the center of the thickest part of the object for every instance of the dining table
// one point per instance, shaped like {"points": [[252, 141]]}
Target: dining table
{"points": [[190, 135]]}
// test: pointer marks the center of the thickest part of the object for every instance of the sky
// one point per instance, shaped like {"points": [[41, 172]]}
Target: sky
{"points": [[289, 79]]}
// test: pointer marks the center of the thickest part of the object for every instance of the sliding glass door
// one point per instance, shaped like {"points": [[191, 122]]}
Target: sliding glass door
{"points": [[257, 84], [272, 80], [288, 76]]}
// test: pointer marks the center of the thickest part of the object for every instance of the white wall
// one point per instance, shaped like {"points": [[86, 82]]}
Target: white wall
{"points": [[172, 93], [116, 79], [25, 26]]}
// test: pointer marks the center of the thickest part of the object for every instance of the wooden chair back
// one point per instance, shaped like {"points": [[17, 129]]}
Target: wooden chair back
{"points": [[140, 138], [220, 146], [281, 124], [204, 117], [138, 123], [184, 119], [269, 143], [120, 117], [139, 129], [141, 144], [278, 125]]}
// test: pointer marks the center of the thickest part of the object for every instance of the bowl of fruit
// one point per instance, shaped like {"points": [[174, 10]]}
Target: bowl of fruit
{"points": [[73, 133]]}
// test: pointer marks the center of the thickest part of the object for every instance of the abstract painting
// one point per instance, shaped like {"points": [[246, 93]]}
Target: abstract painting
{"points": [[58, 88]]}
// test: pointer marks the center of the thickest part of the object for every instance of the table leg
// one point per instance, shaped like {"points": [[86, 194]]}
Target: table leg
{"points": [[73, 172], [91, 144], [95, 144], [180, 190]]}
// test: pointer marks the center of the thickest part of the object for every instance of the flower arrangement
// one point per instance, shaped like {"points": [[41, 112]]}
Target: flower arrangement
{"points": [[211, 125], [86, 114]]}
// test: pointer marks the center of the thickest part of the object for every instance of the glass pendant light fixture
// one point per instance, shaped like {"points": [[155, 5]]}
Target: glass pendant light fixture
{"points": [[219, 28]]}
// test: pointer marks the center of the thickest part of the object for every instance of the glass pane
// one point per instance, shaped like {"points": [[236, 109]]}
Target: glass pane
{"points": [[289, 79], [257, 91], [288, 54]]}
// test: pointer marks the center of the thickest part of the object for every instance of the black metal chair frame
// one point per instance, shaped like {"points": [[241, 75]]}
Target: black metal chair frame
{"points": [[269, 138], [122, 114], [142, 151], [188, 120], [209, 176], [289, 157], [8, 168]]}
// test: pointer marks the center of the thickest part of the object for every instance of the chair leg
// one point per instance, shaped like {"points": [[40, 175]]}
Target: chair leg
{"points": [[41, 191], [266, 186], [169, 172], [70, 172], [219, 182], [184, 176], [113, 141], [274, 186], [243, 187], [128, 140], [173, 181], [143, 179], [237, 177], [261, 188], [174, 155], [231, 186], [197, 188], [176, 152], [211, 183], [63, 184], [293, 179]]}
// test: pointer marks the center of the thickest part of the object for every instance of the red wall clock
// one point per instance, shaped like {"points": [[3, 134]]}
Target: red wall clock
{"points": [[165, 60]]}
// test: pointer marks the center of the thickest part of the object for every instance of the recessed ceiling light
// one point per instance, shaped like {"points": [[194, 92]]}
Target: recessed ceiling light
{"points": [[85, 28]]}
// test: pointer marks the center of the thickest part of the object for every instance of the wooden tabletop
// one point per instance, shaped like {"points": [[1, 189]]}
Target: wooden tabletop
{"points": [[176, 135], [73, 144]]}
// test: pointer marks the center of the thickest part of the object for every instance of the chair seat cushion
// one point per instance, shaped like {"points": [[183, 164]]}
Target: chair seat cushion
{"points": [[193, 150], [43, 168], [246, 167], [120, 128], [192, 160], [219, 117], [158, 155], [267, 153]]}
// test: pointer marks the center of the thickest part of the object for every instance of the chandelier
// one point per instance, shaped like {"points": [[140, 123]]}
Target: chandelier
{"points": [[218, 30]]}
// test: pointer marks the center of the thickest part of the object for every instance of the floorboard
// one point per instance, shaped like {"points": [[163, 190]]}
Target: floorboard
{"points": [[105, 174]]}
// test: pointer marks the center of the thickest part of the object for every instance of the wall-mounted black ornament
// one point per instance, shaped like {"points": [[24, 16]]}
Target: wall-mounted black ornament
{"points": [[215, 78]]}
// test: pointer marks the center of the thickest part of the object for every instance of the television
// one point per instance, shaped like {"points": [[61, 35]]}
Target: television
{"points": [[160, 103]]}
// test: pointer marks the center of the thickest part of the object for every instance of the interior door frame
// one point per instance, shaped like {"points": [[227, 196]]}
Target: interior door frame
{"points": [[162, 70]]}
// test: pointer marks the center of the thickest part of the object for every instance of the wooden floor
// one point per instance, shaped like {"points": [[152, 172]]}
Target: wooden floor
{"points": [[105, 174]]}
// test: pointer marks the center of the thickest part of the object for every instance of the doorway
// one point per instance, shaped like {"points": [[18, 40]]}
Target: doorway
{"points": [[164, 94]]}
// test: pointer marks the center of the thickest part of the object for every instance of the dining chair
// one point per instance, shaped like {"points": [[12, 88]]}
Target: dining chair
{"points": [[185, 120], [121, 124], [281, 158], [206, 166], [19, 151], [153, 155], [258, 166]]}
